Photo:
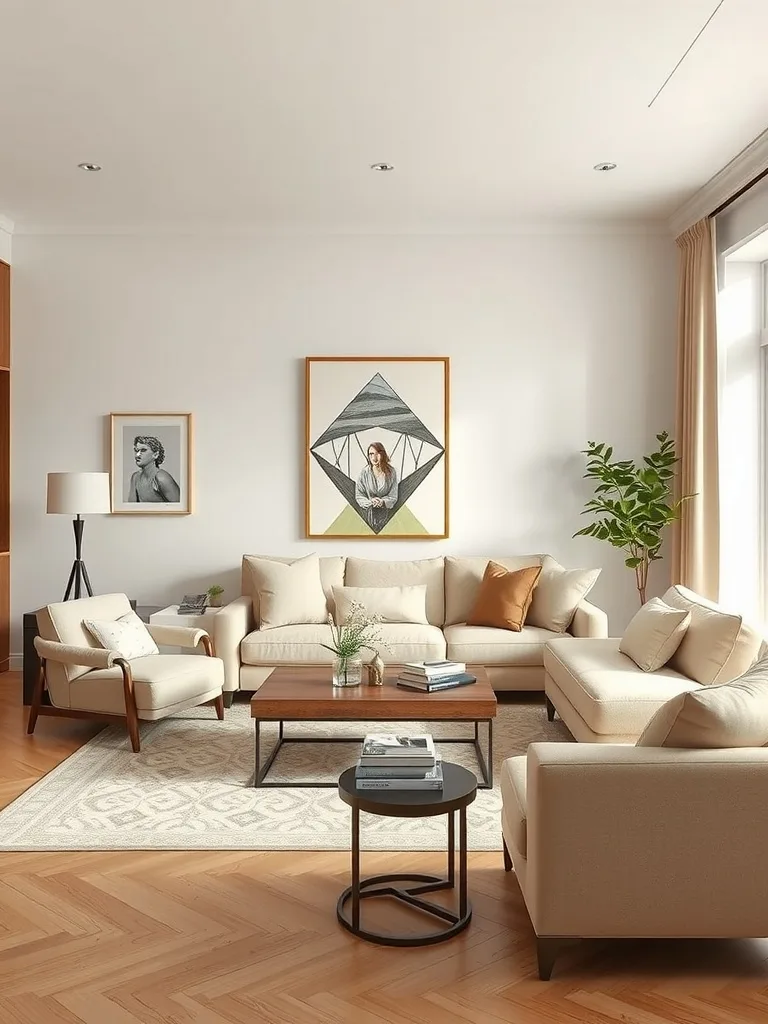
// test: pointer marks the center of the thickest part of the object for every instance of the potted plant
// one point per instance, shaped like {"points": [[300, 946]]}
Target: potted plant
{"points": [[347, 641], [632, 503], [214, 595]]}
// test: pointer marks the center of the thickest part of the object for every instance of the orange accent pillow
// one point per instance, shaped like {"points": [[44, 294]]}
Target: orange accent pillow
{"points": [[504, 597]]}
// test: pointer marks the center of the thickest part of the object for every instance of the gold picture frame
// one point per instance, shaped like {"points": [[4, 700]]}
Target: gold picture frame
{"points": [[151, 463], [376, 449]]}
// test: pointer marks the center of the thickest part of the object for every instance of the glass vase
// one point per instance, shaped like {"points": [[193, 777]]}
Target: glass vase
{"points": [[347, 671]]}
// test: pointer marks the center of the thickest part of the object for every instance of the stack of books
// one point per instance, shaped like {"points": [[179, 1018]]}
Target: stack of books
{"points": [[429, 676], [388, 761]]}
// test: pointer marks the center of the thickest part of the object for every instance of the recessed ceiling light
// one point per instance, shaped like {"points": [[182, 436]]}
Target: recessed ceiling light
{"points": [[606, 165], [89, 167], [382, 167]]}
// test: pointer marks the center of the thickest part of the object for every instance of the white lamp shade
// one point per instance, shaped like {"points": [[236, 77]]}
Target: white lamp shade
{"points": [[78, 493]]}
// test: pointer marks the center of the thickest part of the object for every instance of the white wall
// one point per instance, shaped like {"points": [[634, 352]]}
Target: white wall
{"points": [[5, 246], [553, 340]]}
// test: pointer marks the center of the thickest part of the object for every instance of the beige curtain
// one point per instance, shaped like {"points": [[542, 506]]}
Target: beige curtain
{"points": [[696, 550]]}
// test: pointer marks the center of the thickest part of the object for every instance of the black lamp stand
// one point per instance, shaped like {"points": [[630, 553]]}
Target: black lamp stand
{"points": [[79, 574]]}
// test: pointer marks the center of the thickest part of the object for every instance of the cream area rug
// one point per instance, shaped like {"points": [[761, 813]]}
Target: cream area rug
{"points": [[190, 789]]}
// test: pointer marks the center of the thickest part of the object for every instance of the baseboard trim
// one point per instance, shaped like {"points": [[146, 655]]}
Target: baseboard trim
{"points": [[16, 662]]}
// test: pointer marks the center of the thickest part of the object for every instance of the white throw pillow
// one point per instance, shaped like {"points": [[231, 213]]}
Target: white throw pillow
{"points": [[654, 634], [391, 604], [288, 593], [127, 635], [731, 714], [558, 594]]}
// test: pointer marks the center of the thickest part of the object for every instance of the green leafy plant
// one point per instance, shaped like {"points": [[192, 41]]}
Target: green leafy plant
{"points": [[632, 504], [215, 591], [361, 630]]}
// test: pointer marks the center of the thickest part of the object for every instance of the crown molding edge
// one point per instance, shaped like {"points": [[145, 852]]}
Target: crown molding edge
{"points": [[745, 166]]}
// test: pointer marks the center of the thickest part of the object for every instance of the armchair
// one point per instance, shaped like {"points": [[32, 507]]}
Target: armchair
{"points": [[86, 681]]}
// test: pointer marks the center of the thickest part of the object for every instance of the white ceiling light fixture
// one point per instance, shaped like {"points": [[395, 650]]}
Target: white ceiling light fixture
{"points": [[382, 167], [605, 165], [89, 167]]}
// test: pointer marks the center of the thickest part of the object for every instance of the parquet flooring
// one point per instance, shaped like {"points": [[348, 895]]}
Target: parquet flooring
{"points": [[234, 938]]}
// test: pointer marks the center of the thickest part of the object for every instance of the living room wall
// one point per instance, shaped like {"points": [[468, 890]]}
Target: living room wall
{"points": [[554, 339]]}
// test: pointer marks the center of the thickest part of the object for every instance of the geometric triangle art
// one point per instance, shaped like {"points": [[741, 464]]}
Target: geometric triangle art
{"points": [[389, 477]]}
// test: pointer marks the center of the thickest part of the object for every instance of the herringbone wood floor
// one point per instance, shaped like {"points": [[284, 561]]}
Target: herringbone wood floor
{"points": [[208, 938]]}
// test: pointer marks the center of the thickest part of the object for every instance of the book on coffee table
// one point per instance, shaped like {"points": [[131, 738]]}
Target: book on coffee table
{"points": [[393, 748]]}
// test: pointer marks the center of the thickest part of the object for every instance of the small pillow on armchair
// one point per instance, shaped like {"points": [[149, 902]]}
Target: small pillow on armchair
{"points": [[654, 634], [127, 635], [731, 714], [504, 597]]}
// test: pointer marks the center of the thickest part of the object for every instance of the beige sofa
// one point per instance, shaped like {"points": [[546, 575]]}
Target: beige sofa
{"points": [[608, 839], [515, 661]]}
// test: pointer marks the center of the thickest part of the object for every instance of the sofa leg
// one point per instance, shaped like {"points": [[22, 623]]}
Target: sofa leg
{"points": [[547, 951], [228, 698], [507, 858], [550, 710]]}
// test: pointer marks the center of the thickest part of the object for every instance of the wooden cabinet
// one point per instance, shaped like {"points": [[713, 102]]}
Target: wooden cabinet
{"points": [[5, 465]]}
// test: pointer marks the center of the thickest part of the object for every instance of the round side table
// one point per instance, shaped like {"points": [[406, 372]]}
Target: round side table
{"points": [[459, 790]]}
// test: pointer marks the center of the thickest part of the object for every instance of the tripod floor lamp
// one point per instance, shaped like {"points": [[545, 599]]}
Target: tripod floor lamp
{"points": [[78, 494]]}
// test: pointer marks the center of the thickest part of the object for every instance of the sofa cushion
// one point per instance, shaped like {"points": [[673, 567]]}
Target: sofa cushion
{"points": [[331, 574], [513, 798], [606, 688], [390, 604], [288, 593], [292, 645], [654, 634], [504, 597], [370, 572], [127, 635], [731, 714], [718, 646], [558, 594], [487, 646], [463, 577], [159, 681]]}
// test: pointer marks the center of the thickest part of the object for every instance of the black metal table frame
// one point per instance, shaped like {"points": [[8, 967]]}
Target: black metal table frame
{"points": [[382, 885], [486, 763]]}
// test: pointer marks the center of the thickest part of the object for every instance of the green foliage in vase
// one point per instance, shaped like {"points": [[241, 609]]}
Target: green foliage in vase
{"points": [[360, 631], [633, 504], [215, 590]]}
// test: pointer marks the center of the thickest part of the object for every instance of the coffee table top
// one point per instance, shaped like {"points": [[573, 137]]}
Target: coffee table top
{"points": [[459, 790], [305, 693]]}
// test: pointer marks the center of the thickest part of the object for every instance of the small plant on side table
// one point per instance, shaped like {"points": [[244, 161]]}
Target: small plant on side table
{"points": [[214, 595]]}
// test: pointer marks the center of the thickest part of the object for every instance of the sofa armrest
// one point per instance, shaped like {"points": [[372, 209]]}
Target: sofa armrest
{"points": [[66, 654], [231, 624], [176, 636], [646, 841], [589, 620]]}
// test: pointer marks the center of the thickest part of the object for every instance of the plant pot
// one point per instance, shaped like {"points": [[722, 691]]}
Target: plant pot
{"points": [[347, 671], [215, 602]]}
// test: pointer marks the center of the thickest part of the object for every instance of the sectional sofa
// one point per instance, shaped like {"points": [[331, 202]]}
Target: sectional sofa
{"points": [[515, 661]]}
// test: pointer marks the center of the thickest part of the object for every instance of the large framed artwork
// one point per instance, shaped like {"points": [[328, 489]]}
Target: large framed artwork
{"points": [[376, 456], [151, 462]]}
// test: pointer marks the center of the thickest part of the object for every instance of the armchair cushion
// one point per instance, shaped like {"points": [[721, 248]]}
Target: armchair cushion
{"points": [[160, 682], [128, 636], [63, 622], [88, 657]]}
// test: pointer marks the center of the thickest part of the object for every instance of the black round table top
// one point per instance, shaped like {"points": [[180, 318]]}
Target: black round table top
{"points": [[459, 790]]}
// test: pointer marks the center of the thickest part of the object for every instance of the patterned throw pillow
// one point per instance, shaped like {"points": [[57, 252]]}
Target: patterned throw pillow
{"points": [[127, 635]]}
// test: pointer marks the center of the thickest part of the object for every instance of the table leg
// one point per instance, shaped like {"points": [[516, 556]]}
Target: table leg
{"points": [[462, 861], [257, 744], [355, 868], [451, 848]]}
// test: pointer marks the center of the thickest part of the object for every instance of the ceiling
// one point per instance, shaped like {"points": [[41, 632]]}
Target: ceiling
{"points": [[242, 114]]}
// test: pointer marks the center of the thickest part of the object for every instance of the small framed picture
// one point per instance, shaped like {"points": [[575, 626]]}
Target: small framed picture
{"points": [[151, 463]]}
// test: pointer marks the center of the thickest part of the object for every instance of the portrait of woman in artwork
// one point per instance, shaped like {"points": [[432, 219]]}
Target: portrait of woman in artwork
{"points": [[150, 483], [377, 487]]}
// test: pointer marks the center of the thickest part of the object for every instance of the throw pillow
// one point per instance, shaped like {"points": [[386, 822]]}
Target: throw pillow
{"points": [[504, 597], [391, 604], [731, 714], [558, 594], [288, 593], [127, 635], [654, 634]]}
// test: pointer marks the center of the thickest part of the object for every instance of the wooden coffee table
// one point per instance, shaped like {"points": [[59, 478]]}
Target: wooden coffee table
{"points": [[298, 694]]}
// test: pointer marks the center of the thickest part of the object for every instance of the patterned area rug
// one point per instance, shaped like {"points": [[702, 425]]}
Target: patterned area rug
{"points": [[188, 789]]}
